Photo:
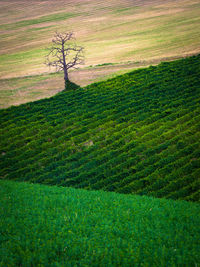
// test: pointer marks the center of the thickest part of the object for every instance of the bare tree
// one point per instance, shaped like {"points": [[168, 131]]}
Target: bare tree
{"points": [[64, 54]]}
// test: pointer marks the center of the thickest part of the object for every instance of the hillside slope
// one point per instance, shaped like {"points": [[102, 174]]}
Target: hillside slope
{"points": [[51, 226], [137, 133]]}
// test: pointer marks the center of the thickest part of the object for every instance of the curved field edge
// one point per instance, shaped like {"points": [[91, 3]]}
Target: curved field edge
{"points": [[136, 133], [56, 226]]}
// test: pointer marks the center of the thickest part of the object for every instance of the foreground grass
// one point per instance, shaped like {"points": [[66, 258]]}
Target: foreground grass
{"points": [[52, 226], [136, 133]]}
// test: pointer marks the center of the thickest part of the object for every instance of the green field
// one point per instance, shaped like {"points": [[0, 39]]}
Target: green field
{"points": [[137, 133], [106, 172], [52, 226], [127, 34]]}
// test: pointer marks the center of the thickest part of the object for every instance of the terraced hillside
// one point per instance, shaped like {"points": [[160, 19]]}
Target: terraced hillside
{"points": [[137, 133]]}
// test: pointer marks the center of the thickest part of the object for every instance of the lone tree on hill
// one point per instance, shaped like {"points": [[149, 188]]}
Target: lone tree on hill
{"points": [[64, 54]]}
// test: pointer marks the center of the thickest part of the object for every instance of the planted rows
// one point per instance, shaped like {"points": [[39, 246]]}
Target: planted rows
{"points": [[136, 133]]}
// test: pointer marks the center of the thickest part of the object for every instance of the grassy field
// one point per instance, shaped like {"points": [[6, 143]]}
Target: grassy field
{"points": [[136, 133], [119, 32], [52, 226]]}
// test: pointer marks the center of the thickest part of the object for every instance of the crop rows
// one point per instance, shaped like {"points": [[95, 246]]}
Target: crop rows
{"points": [[136, 133]]}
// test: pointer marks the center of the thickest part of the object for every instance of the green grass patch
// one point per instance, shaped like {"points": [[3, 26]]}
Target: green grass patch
{"points": [[104, 64], [43, 19], [23, 56], [52, 226]]}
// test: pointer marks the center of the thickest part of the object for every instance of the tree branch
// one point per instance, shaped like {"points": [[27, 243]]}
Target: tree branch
{"points": [[64, 53]]}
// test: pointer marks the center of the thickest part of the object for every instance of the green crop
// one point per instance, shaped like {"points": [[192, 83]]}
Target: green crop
{"points": [[53, 226], [136, 133]]}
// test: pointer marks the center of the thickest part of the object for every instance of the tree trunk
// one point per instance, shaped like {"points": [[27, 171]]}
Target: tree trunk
{"points": [[60, 55], [66, 75], [66, 78]]}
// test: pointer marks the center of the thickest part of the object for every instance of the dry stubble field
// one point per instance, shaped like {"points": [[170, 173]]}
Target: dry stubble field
{"points": [[125, 34]]}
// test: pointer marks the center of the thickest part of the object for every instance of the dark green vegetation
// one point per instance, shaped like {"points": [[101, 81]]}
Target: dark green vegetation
{"points": [[52, 226], [137, 133]]}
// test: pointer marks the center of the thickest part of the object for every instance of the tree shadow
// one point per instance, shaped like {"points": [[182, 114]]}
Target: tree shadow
{"points": [[71, 86]]}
